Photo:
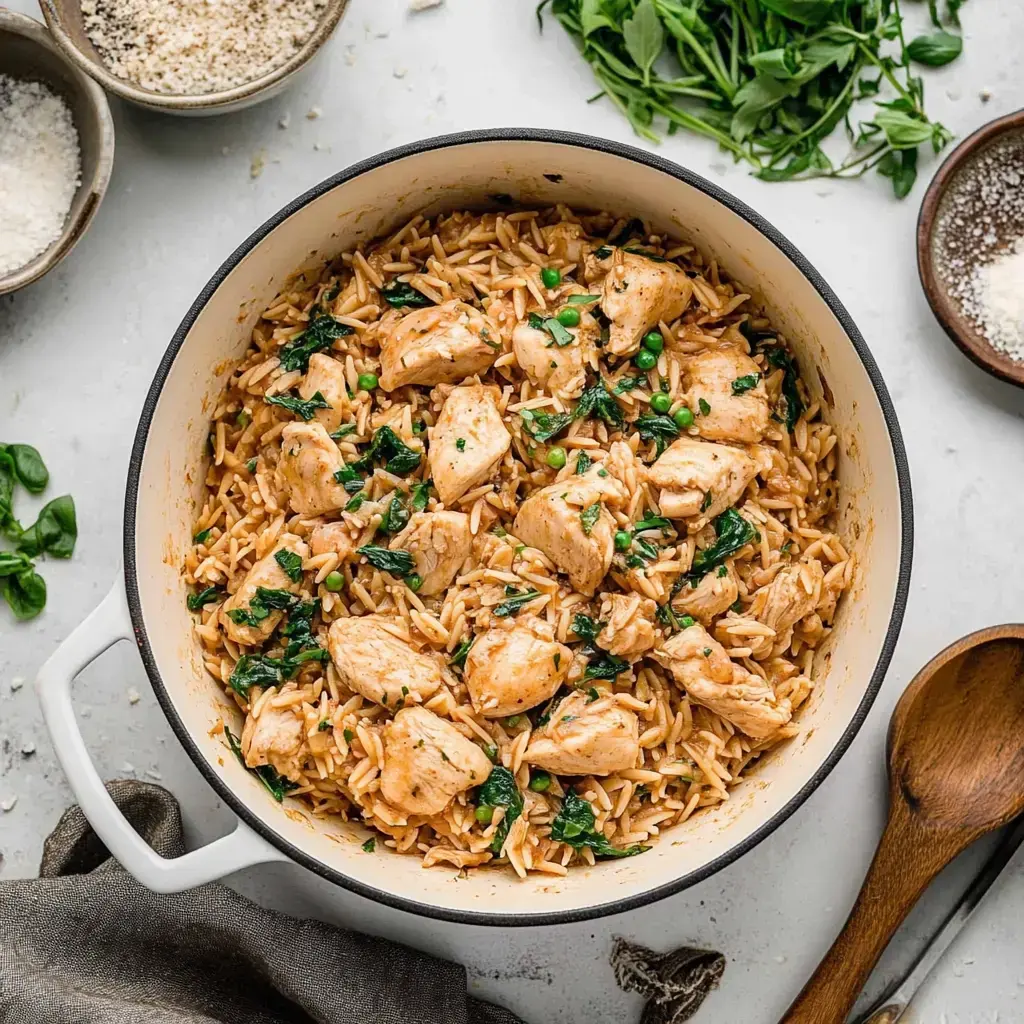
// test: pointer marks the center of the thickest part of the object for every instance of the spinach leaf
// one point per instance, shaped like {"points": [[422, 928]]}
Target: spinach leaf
{"points": [[387, 447], [298, 631], [202, 536], [583, 463], [732, 533], [25, 592], [602, 253], [202, 597], [303, 407], [574, 825], [370, 845], [291, 563], [255, 670], [396, 516], [458, 658], [401, 294], [632, 227], [264, 601], [343, 431], [793, 403], [350, 479], [653, 523], [500, 790], [582, 300], [659, 429], [317, 337], [586, 628], [589, 517], [29, 467], [936, 49], [54, 532], [704, 406], [559, 335], [605, 666], [741, 385], [276, 784], [543, 426], [514, 601], [652, 256], [597, 403], [420, 496], [625, 384], [398, 563], [8, 524]]}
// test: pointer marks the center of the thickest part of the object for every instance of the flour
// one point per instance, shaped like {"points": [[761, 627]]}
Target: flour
{"points": [[40, 168], [996, 301]]}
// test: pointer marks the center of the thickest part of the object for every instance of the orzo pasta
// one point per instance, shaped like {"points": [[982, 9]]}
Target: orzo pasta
{"points": [[517, 540]]}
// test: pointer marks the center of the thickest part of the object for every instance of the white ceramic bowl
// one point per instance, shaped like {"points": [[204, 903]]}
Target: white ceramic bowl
{"points": [[164, 482]]}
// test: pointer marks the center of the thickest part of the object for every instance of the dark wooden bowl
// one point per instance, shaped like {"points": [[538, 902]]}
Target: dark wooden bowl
{"points": [[942, 241]]}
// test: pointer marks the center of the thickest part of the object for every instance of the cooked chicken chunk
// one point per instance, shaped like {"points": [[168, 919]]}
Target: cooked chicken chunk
{"points": [[551, 520], [794, 593], [266, 573], [710, 677], [628, 624], [712, 595], [427, 762], [376, 663], [332, 537], [636, 294], [562, 370], [586, 737], [698, 479], [275, 738], [566, 241], [437, 345], [327, 375], [309, 460], [517, 664], [726, 416], [440, 542], [467, 441]]}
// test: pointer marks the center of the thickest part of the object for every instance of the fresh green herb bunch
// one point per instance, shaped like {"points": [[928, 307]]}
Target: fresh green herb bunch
{"points": [[769, 80]]}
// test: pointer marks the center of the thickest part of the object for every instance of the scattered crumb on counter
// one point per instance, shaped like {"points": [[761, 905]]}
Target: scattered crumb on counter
{"points": [[133, 696], [17, 683], [400, 72], [313, 113], [256, 165], [424, 5], [985, 95], [285, 121], [8, 804]]}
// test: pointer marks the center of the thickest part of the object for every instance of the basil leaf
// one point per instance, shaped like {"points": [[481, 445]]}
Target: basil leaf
{"points": [[397, 563], [401, 294], [54, 532], [935, 50], [305, 408], [317, 337], [901, 167], [291, 563]]}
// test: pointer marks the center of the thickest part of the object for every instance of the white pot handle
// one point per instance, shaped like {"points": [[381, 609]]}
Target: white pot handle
{"points": [[241, 848]]}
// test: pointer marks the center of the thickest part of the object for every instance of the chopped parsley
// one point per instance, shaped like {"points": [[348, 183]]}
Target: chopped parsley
{"points": [[325, 726], [589, 517], [460, 443], [202, 536], [741, 385]]}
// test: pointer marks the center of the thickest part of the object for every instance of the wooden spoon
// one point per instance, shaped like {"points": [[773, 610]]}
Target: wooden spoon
{"points": [[956, 771]]}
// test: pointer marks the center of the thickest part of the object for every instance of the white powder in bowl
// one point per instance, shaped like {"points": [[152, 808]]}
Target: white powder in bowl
{"points": [[996, 300], [40, 168]]}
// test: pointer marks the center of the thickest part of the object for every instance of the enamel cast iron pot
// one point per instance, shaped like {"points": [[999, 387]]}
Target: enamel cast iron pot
{"points": [[482, 169]]}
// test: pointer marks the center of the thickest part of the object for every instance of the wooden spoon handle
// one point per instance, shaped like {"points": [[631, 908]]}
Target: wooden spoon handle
{"points": [[907, 859]]}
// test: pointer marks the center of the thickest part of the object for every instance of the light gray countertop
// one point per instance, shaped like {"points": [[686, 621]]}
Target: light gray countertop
{"points": [[78, 350]]}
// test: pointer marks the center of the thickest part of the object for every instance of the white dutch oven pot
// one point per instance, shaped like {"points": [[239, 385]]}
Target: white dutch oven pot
{"points": [[477, 169]]}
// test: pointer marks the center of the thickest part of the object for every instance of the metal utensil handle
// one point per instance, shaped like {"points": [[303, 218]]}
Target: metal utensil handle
{"points": [[895, 1002]]}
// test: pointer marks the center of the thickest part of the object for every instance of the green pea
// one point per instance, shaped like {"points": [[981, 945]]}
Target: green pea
{"points": [[367, 381], [556, 458], [683, 418], [653, 341], [686, 621], [484, 813], [645, 360], [414, 582], [660, 402], [551, 277], [513, 720], [539, 781], [623, 539], [334, 582], [568, 317]]}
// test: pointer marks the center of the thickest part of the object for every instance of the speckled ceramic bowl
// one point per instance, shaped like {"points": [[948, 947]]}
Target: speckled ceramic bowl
{"points": [[27, 51], [165, 480], [64, 18]]}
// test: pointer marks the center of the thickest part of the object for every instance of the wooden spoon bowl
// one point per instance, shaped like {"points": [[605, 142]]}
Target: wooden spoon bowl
{"points": [[956, 771]]}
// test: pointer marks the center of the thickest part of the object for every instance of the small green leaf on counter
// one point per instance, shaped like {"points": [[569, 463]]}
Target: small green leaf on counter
{"points": [[54, 532], [936, 49]]}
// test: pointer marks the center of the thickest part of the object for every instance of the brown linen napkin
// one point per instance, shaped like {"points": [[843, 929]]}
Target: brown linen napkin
{"points": [[86, 944]]}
